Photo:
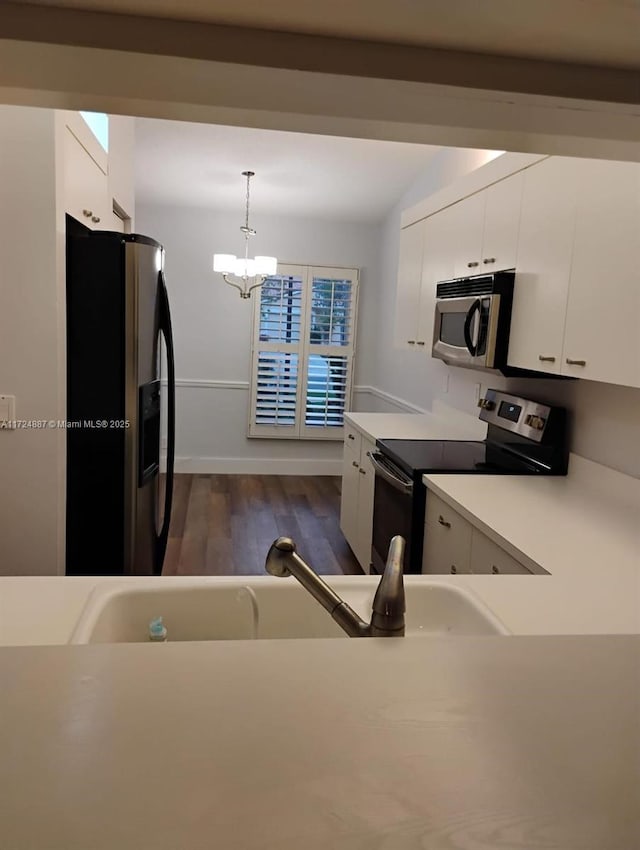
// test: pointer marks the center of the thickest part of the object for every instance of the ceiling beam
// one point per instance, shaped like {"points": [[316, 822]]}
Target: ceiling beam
{"points": [[314, 53]]}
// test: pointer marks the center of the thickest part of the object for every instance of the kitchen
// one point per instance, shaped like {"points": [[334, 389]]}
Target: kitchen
{"points": [[600, 407]]}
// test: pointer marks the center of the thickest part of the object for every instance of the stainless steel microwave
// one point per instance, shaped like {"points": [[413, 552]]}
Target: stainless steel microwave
{"points": [[472, 321]]}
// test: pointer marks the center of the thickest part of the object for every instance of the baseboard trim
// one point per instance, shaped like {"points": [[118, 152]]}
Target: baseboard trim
{"points": [[257, 466]]}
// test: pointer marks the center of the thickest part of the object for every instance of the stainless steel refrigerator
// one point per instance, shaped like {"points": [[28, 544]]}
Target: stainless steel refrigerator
{"points": [[118, 320]]}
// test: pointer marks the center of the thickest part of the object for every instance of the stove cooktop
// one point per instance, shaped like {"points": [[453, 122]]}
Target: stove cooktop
{"points": [[416, 457]]}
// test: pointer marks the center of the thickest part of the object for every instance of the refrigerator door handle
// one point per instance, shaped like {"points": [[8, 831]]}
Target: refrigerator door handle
{"points": [[166, 331]]}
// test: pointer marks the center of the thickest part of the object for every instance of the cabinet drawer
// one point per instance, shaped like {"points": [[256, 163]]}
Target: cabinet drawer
{"points": [[352, 441], [488, 557]]}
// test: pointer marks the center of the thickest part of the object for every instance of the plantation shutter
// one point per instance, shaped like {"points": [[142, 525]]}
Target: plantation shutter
{"points": [[302, 358]]}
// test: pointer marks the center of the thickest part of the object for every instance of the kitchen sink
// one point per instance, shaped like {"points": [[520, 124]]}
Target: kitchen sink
{"points": [[203, 609]]}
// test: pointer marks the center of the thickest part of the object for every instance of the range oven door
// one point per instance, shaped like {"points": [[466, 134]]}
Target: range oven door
{"points": [[465, 330], [394, 512]]}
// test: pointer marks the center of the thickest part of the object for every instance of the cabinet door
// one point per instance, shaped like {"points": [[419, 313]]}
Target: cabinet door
{"points": [[366, 485], [85, 185], [543, 264], [489, 558], [447, 539], [602, 337], [468, 220], [350, 484], [408, 286], [501, 223], [437, 264]]}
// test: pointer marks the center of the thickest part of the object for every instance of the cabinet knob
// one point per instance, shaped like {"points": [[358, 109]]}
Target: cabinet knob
{"points": [[495, 570], [411, 341], [350, 436], [95, 219], [544, 359], [354, 463], [362, 471], [443, 521], [421, 342], [454, 569], [87, 213], [488, 260], [472, 265], [576, 362]]}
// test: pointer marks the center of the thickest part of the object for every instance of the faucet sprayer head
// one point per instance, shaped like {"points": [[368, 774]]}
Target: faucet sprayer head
{"points": [[277, 555]]}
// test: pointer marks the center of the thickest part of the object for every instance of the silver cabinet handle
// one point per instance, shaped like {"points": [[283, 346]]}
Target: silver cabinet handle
{"points": [[95, 219], [411, 341], [472, 265], [354, 463], [350, 436], [443, 521], [421, 342], [87, 213], [362, 471], [545, 359], [576, 362], [488, 260]]}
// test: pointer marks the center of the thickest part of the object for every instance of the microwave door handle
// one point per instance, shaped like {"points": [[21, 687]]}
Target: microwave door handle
{"points": [[477, 305]]}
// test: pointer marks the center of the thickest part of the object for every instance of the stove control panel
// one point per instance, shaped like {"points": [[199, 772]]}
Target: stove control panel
{"points": [[522, 416]]}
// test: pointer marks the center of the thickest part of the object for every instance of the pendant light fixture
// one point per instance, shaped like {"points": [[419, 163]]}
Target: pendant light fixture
{"points": [[242, 268]]}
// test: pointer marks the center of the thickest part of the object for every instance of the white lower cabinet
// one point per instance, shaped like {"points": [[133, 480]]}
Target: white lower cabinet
{"points": [[356, 504], [488, 557], [447, 539], [453, 546]]}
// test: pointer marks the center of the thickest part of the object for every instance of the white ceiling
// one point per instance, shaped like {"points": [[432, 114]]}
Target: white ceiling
{"points": [[598, 32], [313, 176]]}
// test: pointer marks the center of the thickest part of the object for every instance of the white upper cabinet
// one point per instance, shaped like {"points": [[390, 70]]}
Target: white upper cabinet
{"points": [[543, 264], [86, 194], [602, 336], [486, 225], [570, 227], [468, 217], [501, 224], [94, 180], [437, 264], [408, 291]]}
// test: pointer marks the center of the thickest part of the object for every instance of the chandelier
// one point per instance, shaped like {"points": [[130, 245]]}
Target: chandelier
{"points": [[243, 269]]}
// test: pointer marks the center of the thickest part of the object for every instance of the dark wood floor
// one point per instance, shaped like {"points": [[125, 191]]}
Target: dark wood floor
{"points": [[224, 524]]}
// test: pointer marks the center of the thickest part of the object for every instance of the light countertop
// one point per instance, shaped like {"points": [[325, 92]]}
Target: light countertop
{"points": [[416, 426], [584, 529], [345, 744]]}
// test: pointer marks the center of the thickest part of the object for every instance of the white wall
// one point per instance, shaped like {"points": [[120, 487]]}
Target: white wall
{"points": [[31, 324], [212, 330], [606, 418]]}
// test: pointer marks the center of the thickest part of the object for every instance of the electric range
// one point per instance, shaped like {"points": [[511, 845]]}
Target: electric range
{"points": [[524, 437]]}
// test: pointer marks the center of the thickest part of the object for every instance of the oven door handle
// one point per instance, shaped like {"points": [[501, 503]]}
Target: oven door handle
{"points": [[404, 486], [473, 349]]}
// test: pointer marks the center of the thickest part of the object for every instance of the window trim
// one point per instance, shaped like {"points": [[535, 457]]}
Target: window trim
{"points": [[304, 348]]}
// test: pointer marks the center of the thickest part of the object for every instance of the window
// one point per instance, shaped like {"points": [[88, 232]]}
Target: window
{"points": [[302, 358], [99, 125]]}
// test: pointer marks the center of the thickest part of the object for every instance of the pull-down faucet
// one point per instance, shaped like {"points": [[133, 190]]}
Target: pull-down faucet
{"points": [[387, 615]]}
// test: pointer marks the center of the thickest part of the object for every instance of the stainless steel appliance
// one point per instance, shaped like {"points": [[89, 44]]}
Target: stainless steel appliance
{"points": [[117, 315], [472, 321], [523, 438]]}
